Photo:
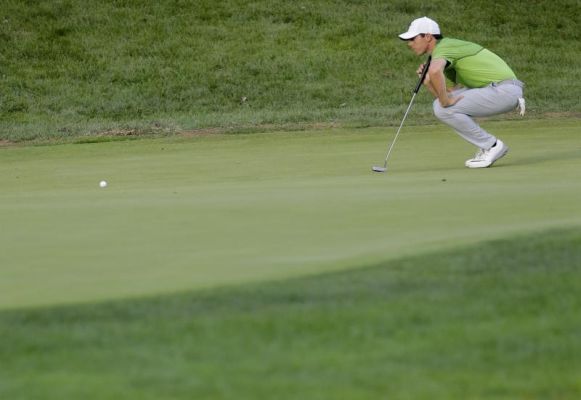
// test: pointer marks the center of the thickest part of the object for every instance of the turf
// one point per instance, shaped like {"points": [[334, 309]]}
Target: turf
{"points": [[499, 320], [82, 67], [278, 265], [200, 212]]}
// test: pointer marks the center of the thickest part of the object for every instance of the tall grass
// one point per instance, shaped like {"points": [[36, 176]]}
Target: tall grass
{"points": [[71, 67]]}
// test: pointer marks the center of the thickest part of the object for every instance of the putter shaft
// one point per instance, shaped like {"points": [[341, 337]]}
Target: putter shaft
{"points": [[416, 90]]}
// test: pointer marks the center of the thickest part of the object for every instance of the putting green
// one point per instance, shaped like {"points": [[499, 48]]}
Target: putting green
{"points": [[187, 213]]}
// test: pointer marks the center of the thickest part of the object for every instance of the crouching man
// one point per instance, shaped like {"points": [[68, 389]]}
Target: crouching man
{"points": [[467, 81]]}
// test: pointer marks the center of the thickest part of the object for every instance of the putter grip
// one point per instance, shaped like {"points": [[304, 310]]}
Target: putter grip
{"points": [[424, 72]]}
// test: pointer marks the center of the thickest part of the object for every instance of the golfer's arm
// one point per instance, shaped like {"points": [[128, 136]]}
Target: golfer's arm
{"points": [[437, 82], [428, 85]]}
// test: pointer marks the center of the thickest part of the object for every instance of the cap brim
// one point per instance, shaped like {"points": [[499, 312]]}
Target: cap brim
{"points": [[408, 35]]}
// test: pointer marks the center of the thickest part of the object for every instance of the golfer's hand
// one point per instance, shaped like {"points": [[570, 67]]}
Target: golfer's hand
{"points": [[419, 73], [449, 101], [420, 70]]}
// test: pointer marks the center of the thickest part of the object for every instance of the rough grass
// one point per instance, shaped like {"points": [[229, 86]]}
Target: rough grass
{"points": [[70, 67], [494, 321]]}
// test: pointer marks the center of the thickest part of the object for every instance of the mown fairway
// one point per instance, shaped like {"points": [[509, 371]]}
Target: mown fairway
{"points": [[493, 320], [184, 214], [496, 321], [430, 308]]}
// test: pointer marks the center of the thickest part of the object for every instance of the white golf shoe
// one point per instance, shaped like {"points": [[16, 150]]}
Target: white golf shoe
{"points": [[485, 158], [478, 157]]}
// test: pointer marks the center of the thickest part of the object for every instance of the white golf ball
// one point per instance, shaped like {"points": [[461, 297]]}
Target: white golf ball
{"points": [[103, 184]]}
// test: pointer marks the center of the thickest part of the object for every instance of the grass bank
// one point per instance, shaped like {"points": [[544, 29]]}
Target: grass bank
{"points": [[80, 67]]}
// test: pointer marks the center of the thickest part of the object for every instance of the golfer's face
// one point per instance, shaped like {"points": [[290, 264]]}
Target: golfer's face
{"points": [[419, 44]]}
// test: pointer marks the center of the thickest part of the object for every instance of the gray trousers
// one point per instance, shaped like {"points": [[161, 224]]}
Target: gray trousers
{"points": [[483, 102]]}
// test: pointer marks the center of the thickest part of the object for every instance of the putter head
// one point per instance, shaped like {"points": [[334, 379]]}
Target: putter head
{"points": [[378, 169]]}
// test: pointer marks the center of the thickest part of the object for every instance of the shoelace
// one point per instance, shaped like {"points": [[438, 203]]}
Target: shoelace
{"points": [[480, 155]]}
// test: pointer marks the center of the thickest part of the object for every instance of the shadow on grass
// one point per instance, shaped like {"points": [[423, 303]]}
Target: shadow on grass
{"points": [[500, 317]]}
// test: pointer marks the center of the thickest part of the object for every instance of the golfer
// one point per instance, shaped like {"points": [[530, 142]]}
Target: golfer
{"points": [[467, 81]]}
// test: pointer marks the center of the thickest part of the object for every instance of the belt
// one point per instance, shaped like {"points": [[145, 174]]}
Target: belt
{"points": [[515, 82]]}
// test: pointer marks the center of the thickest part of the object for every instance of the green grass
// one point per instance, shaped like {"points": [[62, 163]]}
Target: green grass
{"points": [[80, 67], [279, 266], [499, 320], [185, 213], [276, 265]]}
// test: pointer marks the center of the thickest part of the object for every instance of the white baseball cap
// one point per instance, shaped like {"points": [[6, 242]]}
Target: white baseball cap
{"points": [[419, 26]]}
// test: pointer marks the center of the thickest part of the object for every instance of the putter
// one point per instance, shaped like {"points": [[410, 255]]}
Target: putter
{"points": [[416, 90]]}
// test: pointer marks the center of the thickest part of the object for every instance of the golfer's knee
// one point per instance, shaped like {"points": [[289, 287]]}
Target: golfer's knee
{"points": [[440, 112]]}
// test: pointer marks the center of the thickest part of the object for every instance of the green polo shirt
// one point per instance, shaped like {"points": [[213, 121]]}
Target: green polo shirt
{"points": [[470, 64]]}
